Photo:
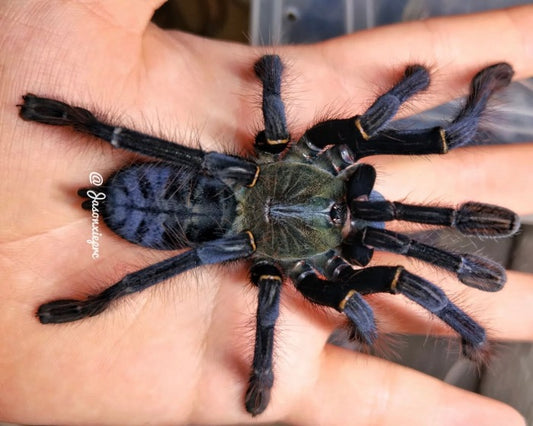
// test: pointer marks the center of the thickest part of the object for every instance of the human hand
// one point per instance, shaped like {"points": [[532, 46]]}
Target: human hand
{"points": [[181, 353]]}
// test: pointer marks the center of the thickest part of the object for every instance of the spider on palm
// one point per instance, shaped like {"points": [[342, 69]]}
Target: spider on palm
{"points": [[304, 211]]}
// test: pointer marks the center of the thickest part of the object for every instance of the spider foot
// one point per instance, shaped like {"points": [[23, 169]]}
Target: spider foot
{"points": [[473, 337], [485, 220], [479, 353], [481, 273], [258, 393], [67, 310], [50, 111]]}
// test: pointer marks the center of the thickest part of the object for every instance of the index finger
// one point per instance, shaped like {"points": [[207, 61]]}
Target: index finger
{"points": [[454, 48]]}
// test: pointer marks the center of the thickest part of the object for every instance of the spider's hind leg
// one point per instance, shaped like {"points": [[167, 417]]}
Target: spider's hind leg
{"points": [[211, 252], [269, 279], [56, 113]]}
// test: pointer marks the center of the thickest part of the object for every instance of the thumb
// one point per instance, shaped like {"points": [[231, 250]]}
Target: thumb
{"points": [[358, 389]]}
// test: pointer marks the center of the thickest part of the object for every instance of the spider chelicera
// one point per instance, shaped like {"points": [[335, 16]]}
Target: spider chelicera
{"points": [[304, 211]]}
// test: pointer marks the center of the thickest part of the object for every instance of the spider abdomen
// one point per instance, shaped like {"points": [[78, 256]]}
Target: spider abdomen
{"points": [[161, 206], [293, 211]]}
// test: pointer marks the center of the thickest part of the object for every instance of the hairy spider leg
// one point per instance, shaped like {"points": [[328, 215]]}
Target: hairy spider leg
{"points": [[269, 279], [474, 271], [275, 137], [394, 280], [56, 113], [437, 140], [470, 218], [211, 252], [343, 299], [384, 108]]}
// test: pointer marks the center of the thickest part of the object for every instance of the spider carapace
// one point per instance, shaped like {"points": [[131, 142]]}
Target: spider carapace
{"points": [[303, 211]]}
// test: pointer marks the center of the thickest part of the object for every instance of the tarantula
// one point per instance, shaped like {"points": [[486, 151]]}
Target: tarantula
{"points": [[304, 211]]}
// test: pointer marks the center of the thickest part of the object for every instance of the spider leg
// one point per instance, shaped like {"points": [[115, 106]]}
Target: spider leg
{"points": [[396, 280], [384, 108], [342, 298], [362, 133], [56, 113], [470, 218], [269, 279], [276, 136], [211, 252], [472, 270]]}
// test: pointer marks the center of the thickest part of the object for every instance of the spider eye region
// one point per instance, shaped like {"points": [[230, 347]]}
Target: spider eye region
{"points": [[338, 213]]}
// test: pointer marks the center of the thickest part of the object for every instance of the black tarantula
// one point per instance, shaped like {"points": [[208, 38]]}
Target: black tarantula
{"points": [[305, 211]]}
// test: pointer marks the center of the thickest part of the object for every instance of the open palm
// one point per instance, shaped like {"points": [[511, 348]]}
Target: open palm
{"points": [[181, 352]]}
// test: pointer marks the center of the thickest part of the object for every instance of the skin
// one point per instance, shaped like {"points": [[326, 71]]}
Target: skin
{"points": [[181, 352]]}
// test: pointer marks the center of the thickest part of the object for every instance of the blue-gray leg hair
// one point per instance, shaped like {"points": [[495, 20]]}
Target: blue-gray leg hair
{"points": [[367, 134], [211, 252], [275, 137], [269, 279]]}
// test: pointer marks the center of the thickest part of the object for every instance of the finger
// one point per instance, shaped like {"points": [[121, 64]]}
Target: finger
{"points": [[462, 42], [358, 389], [508, 312], [459, 44], [357, 67], [498, 174]]}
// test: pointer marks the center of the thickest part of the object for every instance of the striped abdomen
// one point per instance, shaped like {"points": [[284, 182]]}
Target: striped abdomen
{"points": [[161, 206]]}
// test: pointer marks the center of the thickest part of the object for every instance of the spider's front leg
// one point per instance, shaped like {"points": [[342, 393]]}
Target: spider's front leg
{"points": [[345, 284], [366, 134], [471, 218], [268, 278]]}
